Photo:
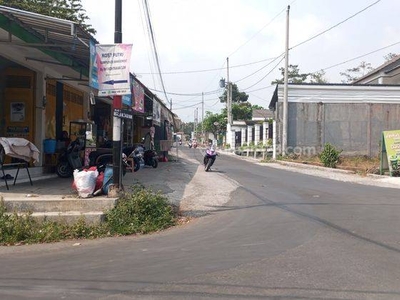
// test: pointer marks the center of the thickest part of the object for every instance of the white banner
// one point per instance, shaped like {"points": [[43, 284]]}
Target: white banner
{"points": [[112, 62]]}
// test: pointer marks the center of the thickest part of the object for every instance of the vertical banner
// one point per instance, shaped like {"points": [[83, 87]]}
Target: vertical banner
{"points": [[390, 152], [156, 112], [112, 63], [93, 79], [138, 96]]}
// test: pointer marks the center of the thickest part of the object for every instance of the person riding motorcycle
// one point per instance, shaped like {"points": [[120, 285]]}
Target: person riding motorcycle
{"points": [[209, 157]]}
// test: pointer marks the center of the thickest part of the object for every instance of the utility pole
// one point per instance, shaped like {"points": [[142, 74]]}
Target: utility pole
{"points": [[170, 104], [117, 104], [196, 113], [285, 89], [229, 106], [202, 117]]}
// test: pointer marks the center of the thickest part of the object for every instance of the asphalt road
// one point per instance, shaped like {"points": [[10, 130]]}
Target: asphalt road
{"points": [[282, 235]]}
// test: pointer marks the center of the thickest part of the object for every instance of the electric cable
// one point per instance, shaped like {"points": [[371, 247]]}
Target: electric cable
{"points": [[266, 74], [259, 69], [155, 49], [360, 56], [273, 19], [336, 25]]}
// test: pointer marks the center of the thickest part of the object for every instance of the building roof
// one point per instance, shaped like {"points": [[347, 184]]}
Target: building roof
{"points": [[385, 68], [262, 114], [45, 39], [337, 93]]}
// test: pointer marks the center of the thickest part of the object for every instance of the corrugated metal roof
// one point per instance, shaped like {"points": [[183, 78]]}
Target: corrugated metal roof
{"points": [[341, 93], [64, 41]]}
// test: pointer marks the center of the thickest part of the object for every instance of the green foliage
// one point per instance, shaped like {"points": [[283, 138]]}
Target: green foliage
{"points": [[237, 97], [353, 74], [242, 111], [141, 211], [215, 123], [294, 75], [330, 156], [318, 77], [71, 10]]}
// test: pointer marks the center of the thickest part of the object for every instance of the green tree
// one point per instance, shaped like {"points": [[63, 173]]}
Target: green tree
{"points": [[318, 77], [71, 10], [255, 107], [237, 97], [240, 111], [355, 73], [294, 75], [215, 123]]}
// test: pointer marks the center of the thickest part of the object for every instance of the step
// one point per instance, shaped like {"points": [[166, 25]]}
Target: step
{"points": [[60, 205], [70, 217]]}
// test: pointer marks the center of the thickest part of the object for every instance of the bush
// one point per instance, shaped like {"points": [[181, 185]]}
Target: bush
{"points": [[330, 156], [141, 211]]}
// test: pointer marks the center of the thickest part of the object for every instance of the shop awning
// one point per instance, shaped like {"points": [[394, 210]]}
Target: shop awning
{"points": [[32, 37]]}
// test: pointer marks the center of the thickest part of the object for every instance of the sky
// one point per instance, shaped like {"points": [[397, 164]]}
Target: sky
{"points": [[195, 39]]}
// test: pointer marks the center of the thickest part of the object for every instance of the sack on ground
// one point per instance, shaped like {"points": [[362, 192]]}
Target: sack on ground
{"points": [[85, 182]]}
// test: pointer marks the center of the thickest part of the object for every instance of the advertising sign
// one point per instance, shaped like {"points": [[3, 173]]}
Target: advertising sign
{"points": [[156, 112], [390, 152], [93, 79], [138, 96], [112, 64], [123, 113]]}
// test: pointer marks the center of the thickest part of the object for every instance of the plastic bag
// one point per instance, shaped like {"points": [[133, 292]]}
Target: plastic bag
{"points": [[85, 182]]}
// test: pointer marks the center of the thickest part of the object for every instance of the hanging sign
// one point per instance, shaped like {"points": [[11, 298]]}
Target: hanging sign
{"points": [[390, 152], [112, 65], [123, 113]]}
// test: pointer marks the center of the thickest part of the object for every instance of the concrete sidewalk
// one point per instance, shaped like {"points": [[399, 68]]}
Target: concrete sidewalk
{"points": [[53, 198]]}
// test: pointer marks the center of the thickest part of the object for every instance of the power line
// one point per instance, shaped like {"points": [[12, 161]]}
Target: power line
{"points": [[155, 48], [360, 56], [207, 70], [192, 94], [266, 74], [258, 69], [273, 19], [330, 28]]}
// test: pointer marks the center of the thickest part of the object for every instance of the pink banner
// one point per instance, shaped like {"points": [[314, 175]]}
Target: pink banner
{"points": [[138, 97]]}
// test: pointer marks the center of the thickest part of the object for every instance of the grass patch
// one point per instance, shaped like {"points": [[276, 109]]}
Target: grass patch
{"points": [[140, 211], [362, 165]]}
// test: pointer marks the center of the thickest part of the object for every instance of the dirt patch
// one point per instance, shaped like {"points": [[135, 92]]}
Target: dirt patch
{"points": [[362, 165]]}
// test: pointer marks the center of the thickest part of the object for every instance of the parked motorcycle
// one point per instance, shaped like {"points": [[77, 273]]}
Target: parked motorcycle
{"points": [[104, 156], [209, 158], [146, 157], [70, 159]]}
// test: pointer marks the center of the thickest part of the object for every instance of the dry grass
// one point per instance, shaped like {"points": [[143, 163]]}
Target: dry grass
{"points": [[359, 164]]}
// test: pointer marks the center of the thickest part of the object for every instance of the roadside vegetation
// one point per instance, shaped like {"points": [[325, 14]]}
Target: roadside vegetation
{"points": [[139, 211], [331, 157]]}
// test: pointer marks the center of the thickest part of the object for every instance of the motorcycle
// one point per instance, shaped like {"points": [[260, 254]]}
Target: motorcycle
{"points": [[146, 157], [104, 156], [209, 158], [70, 160]]}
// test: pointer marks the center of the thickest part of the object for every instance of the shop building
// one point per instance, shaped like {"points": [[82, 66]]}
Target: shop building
{"points": [[44, 83]]}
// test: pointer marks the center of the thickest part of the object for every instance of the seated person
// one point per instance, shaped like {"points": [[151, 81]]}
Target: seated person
{"points": [[65, 138]]}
